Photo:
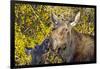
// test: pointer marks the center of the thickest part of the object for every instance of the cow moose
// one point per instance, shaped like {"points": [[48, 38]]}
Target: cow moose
{"points": [[69, 44], [72, 45]]}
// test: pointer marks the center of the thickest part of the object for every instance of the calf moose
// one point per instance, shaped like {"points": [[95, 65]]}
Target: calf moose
{"points": [[37, 52]]}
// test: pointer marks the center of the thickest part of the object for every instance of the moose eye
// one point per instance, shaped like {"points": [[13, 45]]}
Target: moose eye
{"points": [[66, 29], [47, 41], [53, 29]]}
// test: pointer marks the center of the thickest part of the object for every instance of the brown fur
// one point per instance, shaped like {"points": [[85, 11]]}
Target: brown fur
{"points": [[78, 47]]}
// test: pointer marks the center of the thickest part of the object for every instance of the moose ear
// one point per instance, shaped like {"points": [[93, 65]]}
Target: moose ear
{"points": [[76, 20], [54, 18], [28, 51], [56, 21]]}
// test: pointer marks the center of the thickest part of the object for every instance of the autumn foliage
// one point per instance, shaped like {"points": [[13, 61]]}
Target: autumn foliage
{"points": [[33, 24]]}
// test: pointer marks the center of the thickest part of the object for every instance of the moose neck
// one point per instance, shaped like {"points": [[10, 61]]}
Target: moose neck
{"points": [[74, 38]]}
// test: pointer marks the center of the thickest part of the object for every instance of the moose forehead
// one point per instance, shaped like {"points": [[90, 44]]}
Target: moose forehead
{"points": [[61, 26]]}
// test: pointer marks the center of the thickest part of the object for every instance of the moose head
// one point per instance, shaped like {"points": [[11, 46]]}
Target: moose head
{"points": [[61, 32], [38, 51]]}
